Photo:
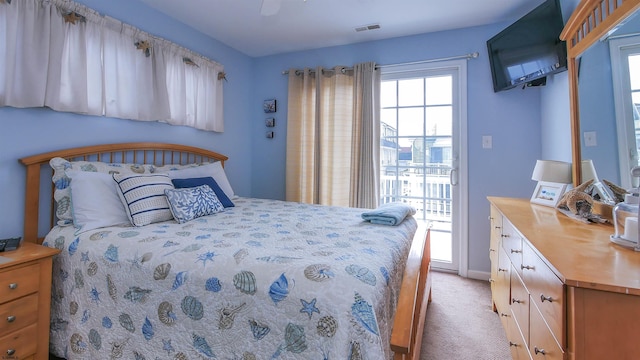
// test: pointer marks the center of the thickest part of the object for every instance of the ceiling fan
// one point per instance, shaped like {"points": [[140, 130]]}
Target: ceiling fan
{"points": [[271, 7]]}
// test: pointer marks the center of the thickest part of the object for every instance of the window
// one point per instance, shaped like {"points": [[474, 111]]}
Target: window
{"points": [[79, 61], [625, 66]]}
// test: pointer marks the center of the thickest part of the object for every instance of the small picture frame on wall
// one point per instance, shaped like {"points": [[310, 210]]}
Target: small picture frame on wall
{"points": [[270, 122], [270, 106], [548, 193]]}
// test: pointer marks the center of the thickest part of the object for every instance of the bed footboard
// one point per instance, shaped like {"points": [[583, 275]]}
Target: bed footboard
{"points": [[415, 295]]}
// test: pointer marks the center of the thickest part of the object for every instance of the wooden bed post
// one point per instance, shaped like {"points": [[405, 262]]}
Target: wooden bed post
{"points": [[31, 204]]}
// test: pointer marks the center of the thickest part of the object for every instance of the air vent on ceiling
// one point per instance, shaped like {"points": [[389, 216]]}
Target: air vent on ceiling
{"points": [[368, 27]]}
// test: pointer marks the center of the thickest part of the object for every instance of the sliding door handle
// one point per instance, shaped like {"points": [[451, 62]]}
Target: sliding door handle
{"points": [[453, 177]]}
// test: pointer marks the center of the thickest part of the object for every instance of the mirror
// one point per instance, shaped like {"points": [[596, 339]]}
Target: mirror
{"points": [[614, 131], [590, 88]]}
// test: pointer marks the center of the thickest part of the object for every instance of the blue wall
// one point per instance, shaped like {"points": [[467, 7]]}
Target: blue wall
{"points": [[257, 164]]}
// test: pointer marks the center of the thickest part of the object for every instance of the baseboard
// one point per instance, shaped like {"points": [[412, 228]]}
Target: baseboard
{"points": [[478, 275]]}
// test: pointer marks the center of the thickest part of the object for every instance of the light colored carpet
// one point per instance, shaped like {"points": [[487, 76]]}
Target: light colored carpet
{"points": [[460, 322]]}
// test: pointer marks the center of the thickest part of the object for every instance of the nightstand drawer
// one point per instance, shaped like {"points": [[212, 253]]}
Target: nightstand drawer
{"points": [[18, 314], [20, 344], [19, 282]]}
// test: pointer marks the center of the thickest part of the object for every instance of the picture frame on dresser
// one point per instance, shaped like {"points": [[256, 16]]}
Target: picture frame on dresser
{"points": [[548, 193]]}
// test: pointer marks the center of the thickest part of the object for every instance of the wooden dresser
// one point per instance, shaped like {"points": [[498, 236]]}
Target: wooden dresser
{"points": [[560, 287], [25, 295]]}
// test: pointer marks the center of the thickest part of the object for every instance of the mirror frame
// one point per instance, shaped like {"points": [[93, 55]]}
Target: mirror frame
{"points": [[589, 22]]}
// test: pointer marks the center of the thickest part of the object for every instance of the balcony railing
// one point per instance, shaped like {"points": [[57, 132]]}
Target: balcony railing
{"points": [[429, 193]]}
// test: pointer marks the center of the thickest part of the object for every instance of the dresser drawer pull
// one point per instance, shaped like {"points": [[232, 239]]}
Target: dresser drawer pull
{"points": [[513, 344], [539, 351], [545, 298], [491, 280], [11, 318], [527, 267], [502, 270], [11, 352], [514, 300], [516, 251], [503, 314], [13, 286], [505, 235]]}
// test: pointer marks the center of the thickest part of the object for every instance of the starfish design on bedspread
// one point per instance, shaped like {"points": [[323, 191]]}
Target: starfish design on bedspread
{"points": [[309, 307]]}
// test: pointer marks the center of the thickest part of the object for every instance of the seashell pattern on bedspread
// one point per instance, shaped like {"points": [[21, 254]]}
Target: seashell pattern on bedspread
{"points": [[265, 279]]}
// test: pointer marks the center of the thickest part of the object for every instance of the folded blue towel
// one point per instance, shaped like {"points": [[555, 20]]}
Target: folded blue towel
{"points": [[389, 214]]}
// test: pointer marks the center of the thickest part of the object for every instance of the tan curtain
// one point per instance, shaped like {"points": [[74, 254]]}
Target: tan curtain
{"points": [[332, 128], [365, 153]]}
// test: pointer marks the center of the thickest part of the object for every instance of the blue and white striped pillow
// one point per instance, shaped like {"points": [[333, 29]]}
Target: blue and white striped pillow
{"points": [[143, 197]]}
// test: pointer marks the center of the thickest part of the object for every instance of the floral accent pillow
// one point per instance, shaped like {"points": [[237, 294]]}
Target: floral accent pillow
{"points": [[190, 203]]}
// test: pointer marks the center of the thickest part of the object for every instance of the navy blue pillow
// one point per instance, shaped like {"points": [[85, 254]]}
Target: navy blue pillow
{"points": [[193, 182]]}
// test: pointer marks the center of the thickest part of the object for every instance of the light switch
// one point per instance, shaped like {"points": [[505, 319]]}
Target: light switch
{"points": [[487, 142], [590, 138]]}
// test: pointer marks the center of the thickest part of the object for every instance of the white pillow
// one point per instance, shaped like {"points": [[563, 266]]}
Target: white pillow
{"points": [[143, 197], [215, 170], [94, 201]]}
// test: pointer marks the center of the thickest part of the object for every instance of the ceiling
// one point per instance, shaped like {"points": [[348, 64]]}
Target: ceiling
{"points": [[310, 24]]}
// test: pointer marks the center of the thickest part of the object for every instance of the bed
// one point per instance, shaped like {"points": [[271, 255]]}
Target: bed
{"points": [[257, 279]]}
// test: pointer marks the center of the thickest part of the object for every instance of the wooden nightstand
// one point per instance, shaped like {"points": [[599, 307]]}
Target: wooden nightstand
{"points": [[25, 295]]}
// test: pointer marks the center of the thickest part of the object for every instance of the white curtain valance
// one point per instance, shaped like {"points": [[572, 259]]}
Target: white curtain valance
{"points": [[65, 56]]}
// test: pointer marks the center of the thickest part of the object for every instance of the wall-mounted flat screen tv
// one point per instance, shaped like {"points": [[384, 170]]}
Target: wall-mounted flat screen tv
{"points": [[529, 49]]}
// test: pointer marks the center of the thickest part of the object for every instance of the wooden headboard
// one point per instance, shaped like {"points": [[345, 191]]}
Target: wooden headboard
{"points": [[140, 153]]}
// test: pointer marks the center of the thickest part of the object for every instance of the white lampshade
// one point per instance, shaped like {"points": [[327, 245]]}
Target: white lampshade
{"points": [[589, 171], [552, 171]]}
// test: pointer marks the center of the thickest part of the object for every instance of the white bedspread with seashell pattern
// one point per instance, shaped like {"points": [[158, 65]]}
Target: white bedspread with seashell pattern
{"points": [[265, 279]]}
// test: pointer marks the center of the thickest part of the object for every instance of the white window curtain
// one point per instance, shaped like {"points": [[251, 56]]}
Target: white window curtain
{"points": [[333, 136], [62, 55]]}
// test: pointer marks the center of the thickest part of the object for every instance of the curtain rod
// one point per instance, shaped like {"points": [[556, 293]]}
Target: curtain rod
{"points": [[466, 56]]}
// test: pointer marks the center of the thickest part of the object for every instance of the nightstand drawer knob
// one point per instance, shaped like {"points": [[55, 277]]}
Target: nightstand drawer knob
{"points": [[13, 286], [11, 318], [11, 352]]}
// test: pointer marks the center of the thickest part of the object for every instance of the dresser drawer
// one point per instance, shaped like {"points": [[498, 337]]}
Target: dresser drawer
{"points": [[496, 228], [502, 287], [547, 291], [19, 313], [19, 282], [542, 343], [517, 345], [512, 244], [520, 304], [19, 344]]}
